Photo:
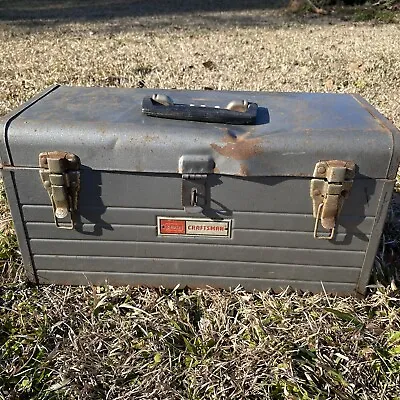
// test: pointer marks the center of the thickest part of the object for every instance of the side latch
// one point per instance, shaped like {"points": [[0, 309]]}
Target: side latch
{"points": [[331, 185], [60, 175], [195, 170]]}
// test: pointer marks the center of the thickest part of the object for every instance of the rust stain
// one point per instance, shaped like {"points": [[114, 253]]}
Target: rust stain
{"points": [[370, 110], [379, 121], [57, 154], [244, 170], [240, 147], [150, 138]]}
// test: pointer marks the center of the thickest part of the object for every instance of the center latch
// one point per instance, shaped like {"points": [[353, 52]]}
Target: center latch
{"points": [[331, 185], [195, 170], [60, 175]]}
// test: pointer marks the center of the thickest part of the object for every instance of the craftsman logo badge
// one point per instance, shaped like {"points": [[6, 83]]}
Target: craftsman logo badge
{"points": [[193, 227]]}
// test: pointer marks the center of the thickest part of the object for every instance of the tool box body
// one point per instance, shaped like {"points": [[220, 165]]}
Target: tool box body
{"points": [[258, 188]]}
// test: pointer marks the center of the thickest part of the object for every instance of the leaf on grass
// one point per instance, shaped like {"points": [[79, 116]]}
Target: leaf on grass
{"points": [[209, 64], [189, 346], [356, 66], [394, 337], [338, 378], [101, 302], [59, 385], [395, 350], [131, 307], [374, 328], [157, 358], [126, 305], [345, 316], [330, 84], [25, 383]]}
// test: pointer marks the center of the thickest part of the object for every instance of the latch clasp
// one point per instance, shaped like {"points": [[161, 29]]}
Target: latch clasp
{"points": [[194, 170], [60, 175], [194, 192], [331, 185]]}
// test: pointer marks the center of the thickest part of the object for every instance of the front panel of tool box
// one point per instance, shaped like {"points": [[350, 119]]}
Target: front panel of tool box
{"points": [[270, 243]]}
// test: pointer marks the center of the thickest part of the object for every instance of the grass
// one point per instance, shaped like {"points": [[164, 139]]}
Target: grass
{"points": [[120, 343]]}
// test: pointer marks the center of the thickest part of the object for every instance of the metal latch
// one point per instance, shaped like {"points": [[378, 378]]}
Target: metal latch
{"points": [[194, 170], [194, 192], [331, 185], [60, 175]]}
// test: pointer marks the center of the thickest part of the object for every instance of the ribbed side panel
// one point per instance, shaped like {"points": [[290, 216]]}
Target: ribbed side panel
{"points": [[240, 237], [198, 268], [170, 281], [279, 221], [100, 190], [196, 251], [272, 243]]}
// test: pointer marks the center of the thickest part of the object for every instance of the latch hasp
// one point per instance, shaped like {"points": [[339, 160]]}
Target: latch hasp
{"points": [[194, 170], [60, 175], [331, 185]]}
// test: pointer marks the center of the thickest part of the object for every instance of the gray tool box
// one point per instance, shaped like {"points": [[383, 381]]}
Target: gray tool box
{"points": [[262, 190]]}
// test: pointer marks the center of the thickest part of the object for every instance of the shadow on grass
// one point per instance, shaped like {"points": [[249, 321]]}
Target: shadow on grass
{"points": [[124, 15], [97, 10]]}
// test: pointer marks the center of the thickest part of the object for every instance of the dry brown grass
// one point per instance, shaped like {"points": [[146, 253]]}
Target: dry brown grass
{"points": [[250, 50], [121, 343]]}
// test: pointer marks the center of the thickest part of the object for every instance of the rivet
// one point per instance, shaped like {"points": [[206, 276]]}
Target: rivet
{"points": [[316, 192], [321, 169], [61, 212]]}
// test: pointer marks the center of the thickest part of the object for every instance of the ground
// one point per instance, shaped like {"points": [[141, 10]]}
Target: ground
{"points": [[122, 343]]}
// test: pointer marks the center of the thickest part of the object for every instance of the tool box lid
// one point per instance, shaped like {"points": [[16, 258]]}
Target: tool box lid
{"points": [[275, 134]]}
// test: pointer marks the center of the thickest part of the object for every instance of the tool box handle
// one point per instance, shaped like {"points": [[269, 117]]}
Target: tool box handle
{"points": [[235, 113]]}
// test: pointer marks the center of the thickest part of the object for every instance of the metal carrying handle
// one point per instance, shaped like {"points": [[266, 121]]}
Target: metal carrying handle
{"points": [[317, 219], [236, 112]]}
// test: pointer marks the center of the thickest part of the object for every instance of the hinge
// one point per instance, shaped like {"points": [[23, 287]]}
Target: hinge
{"points": [[331, 185], [60, 175]]}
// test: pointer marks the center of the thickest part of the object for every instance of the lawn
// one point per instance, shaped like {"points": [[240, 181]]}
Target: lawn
{"points": [[140, 343]]}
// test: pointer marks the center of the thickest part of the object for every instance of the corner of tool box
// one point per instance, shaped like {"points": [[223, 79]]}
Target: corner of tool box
{"points": [[6, 120], [392, 130]]}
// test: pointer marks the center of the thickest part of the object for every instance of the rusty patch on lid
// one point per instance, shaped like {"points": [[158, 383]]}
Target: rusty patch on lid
{"points": [[244, 170], [240, 147], [372, 111]]}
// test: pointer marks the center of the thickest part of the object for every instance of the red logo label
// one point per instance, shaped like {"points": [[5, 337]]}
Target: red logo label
{"points": [[170, 226]]}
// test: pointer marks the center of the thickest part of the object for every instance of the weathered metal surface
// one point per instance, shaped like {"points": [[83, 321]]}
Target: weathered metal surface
{"points": [[38, 215], [293, 131], [374, 242], [257, 177], [19, 224], [100, 190], [67, 277], [241, 147], [5, 122]]}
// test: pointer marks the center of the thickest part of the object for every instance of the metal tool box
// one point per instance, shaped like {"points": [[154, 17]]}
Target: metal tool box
{"points": [[199, 188]]}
